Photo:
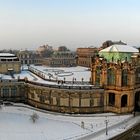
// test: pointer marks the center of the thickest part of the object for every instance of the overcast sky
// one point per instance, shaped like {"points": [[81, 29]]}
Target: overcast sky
{"points": [[27, 24]]}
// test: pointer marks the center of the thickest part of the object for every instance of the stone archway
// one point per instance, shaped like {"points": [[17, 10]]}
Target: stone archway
{"points": [[137, 101], [124, 101]]}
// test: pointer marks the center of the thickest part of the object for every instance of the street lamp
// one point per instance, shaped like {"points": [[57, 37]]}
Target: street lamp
{"points": [[106, 124]]}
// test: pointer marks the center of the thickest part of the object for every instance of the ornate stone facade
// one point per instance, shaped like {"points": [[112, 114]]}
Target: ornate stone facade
{"points": [[66, 100], [121, 82]]}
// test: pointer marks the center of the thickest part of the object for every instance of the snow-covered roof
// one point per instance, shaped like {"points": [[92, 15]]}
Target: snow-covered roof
{"points": [[6, 54], [120, 48]]}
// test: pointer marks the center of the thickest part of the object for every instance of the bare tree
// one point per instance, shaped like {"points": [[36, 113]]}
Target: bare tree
{"points": [[34, 117]]}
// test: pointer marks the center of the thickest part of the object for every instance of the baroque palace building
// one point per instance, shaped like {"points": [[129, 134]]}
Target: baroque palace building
{"points": [[118, 72], [114, 86]]}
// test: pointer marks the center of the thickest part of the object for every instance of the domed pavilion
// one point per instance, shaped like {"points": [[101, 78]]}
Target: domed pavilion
{"points": [[118, 52]]}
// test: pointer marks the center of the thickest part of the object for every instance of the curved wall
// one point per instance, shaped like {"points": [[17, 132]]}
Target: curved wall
{"points": [[65, 100]]}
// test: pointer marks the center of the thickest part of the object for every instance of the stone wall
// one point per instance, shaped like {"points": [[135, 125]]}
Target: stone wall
{"points": [[65, 100], [5, 66], [12, 90]]}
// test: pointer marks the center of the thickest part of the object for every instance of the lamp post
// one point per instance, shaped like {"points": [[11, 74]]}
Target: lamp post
{"points": [[106, 124]]}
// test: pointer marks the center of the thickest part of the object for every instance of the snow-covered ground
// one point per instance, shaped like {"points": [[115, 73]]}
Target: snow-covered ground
{"points": [[68, 73], [15, 124]]}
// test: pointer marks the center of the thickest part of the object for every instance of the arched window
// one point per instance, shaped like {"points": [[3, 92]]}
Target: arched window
{"points": [[111, 77], [25, 61], [125, 77], [124, 101], [97, 75], [111, 99]]}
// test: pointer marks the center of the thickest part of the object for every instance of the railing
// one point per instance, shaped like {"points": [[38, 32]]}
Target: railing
{"points": [[63, 86]]}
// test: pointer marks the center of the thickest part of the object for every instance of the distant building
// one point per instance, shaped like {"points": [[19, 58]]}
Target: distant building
{"points": [[28, 57], [84, 56], [62, 48], [61, 59], [9, 63], [45, 51]]}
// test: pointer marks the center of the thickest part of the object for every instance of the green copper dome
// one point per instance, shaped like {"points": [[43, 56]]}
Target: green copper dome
{"points": [[118, 52]]}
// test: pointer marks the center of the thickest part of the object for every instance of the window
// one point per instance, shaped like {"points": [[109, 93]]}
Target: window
{"points": [[111, 77], [97, 75], [138, 75], [42, 98], [13, 91], [124, 101], [111, 99], [5, 92], [125, 77], [32, 95]]}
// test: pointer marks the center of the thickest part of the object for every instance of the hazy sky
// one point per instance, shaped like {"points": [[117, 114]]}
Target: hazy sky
{"points": [[74, 23]]}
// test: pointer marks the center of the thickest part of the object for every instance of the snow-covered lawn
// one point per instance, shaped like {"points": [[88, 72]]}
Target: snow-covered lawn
{"points": [[69, 73], [15, 124]]}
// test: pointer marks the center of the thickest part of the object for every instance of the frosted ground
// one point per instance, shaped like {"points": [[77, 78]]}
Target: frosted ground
{"points": [[15, 124]]}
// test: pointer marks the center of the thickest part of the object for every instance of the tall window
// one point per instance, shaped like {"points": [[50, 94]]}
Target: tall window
{"points": [[125, 77], [111, 99], [111, 77], [138, 75], [97, 75], [13, 91], [42, 98], [124, 101], [5, 92]]}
